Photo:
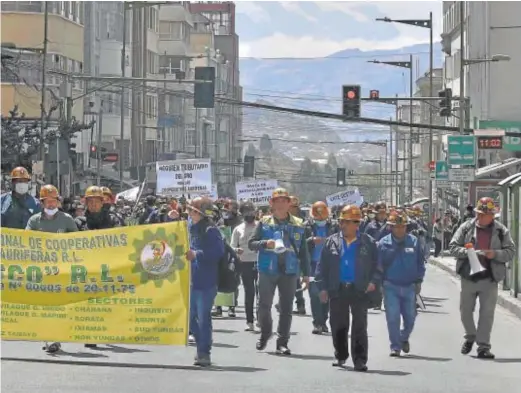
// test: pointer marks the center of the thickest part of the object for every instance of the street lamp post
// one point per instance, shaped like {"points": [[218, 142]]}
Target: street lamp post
{"points": [[427, 24], [408, 65]]}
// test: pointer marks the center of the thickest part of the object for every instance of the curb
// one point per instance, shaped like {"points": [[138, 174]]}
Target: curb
{"points": [[504, 300]]}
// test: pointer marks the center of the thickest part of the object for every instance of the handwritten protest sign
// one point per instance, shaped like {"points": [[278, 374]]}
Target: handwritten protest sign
{"points": [[348, 197], [258, 191]]}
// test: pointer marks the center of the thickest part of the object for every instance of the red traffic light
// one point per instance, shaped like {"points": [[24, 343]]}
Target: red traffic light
{"points": [[351, 94], [93, 148], [432, 165]]}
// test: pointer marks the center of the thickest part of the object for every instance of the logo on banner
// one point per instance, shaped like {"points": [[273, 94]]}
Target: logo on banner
{"points": [[158, 257]]}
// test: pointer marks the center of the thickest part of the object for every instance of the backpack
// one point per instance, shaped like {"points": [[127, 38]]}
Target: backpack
{"points": [[228, 275]]}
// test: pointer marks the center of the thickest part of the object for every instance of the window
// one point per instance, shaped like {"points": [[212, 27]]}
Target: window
{"points": [[189, 137], [171, 30], [151, 107], [153, 19], [171, 64], [152, 62]]}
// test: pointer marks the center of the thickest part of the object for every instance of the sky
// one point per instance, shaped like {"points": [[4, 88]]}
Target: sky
{"points": [[319, 28]]}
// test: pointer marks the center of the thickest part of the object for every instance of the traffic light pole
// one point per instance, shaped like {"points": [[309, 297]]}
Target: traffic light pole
{"points": [[462, 95], [98, 143], [411, 93]]}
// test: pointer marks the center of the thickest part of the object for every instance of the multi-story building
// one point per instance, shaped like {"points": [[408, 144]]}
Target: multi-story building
{"points": [[421, 146], [229, 117], [23, 26], [492, 87]]}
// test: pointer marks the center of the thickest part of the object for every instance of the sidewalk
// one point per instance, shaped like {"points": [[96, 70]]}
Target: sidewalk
{"points": [[504, 299]]}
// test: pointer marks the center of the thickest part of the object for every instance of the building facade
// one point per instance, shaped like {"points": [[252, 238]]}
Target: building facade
{"points": [[23, 25]]}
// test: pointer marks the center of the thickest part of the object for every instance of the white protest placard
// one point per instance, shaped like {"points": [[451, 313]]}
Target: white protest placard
{"points": [[348, 197], [184, 177], [256, 191]]}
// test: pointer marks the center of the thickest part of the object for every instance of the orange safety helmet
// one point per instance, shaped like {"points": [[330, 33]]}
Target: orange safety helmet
{"points": [[398, 217], [20, 173], [319, 211], [49, 192], [350, 213]]}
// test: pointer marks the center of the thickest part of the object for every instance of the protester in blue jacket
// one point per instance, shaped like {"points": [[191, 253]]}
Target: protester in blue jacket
{"points": [[401, 261], [18, 205], [206, 250]]}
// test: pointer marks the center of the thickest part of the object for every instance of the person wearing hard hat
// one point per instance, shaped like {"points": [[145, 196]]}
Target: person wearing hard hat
{"points": [[347, 277], [401, 261], [96, 217], [108, 204], [374, 227], [283, 255], [18, 205], [206, 250], [320, 227], [52, 220], [495, 248]]}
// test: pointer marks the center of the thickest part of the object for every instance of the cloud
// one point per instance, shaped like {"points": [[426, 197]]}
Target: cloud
{"points": [[293, 6], [280, 45], [253, 10]]}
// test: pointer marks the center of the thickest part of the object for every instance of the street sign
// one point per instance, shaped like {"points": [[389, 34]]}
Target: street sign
{"points": [[462, 174], [442, 170], [442, 184], [461, 150], [510, 143]]}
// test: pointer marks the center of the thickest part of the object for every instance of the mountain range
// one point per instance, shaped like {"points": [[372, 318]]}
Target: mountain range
{"points": [[315, 84]]}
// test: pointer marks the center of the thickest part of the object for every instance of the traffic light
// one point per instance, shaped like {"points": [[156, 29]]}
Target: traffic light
{"points": [[351, 100], [340, 177], [374, 94], [249, 166], [94, 152], [204, 93], [445, 103]]}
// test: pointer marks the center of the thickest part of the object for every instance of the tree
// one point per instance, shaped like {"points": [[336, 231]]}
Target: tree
{"points": [[331, 161], [265, 143], [22, 139]]}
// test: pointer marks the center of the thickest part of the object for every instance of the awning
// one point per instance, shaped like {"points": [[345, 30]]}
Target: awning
{"points": [[483, 173]]}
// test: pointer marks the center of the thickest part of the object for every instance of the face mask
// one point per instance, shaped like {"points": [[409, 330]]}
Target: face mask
{"points": [[371, 216], [320, 223], [21, 188], [249, 219], [51, 212]]}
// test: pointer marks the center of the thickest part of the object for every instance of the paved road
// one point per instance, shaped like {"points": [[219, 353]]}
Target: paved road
{"points": [[435, 364]]}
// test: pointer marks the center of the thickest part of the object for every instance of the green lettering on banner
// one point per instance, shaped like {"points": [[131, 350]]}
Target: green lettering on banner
{"points": [[510, 143]]}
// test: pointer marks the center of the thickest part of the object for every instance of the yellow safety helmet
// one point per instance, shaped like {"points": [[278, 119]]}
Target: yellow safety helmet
{"points": [[93, 192], [106, 191]]}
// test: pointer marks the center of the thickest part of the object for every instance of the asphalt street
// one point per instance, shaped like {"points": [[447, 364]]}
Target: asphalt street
{"points": [[434, 364]]}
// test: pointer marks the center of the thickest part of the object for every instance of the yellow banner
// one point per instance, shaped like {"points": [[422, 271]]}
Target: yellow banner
{"points": [[127, 285]]}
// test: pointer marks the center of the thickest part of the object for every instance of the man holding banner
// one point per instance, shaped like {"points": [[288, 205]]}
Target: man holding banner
{"points": [[54, 221]]}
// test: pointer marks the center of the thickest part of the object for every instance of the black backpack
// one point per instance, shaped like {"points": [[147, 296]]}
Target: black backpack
{"points": [[228, 275]]}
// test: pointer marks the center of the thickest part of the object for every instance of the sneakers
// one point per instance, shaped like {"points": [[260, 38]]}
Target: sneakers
{"points": [[395, 353], [249, 327], [467, 347], [231, 312], [218, 312], [360, 367], [325, 329], [339, 363], [202, 360], [406, 347], [191, 339], [485, 354], [261, 343], [53, 348], [283, 350], [317, 330]]}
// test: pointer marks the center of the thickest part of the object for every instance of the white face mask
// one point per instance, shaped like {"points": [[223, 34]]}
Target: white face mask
{"points": [[51, 212], [21, 188]]}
